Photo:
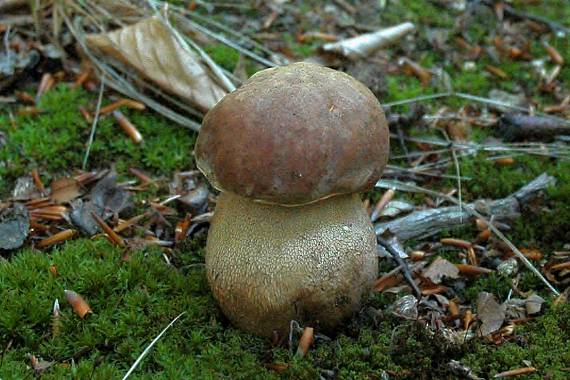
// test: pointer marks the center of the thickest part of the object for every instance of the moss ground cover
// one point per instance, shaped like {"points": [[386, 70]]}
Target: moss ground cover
{"points": [[132, 301]]}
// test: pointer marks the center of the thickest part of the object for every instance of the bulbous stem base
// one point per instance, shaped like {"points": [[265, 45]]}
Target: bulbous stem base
{"points": [[268, 264]]}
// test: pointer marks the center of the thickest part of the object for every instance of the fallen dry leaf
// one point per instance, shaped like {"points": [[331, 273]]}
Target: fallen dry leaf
{"points": [[149, 47], [491, 314], [533, 304], [64, 190], [439, 269]]}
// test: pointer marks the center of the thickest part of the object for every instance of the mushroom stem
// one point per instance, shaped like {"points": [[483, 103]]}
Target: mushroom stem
{"points": [[269, 264]]}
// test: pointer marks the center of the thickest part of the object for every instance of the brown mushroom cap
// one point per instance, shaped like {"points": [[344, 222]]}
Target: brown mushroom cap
{"points": [[294, 135]]}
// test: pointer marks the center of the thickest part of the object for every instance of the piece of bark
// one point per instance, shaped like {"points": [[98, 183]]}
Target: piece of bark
{"points": [[364, 45], [423, 223], [514, 127]]}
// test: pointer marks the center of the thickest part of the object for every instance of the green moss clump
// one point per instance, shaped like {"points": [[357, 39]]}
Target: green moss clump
{"points": [[223, 55], [543, 342], [55, 141], [131, 301]]}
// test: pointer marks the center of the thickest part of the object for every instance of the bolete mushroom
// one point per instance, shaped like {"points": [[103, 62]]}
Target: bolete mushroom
{"points": [[290, 151]]}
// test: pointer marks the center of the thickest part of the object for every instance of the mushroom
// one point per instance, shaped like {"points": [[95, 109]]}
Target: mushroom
{"points": [[290, 151]]}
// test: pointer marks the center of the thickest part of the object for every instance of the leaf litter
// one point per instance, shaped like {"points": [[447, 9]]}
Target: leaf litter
{"points": [[185, 86]]}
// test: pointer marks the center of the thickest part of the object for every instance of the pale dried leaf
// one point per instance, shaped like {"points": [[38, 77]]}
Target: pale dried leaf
{"points": [[490, 313], [395, 208], [533, 304], [149, 47], [439, 269], [64, 190]]}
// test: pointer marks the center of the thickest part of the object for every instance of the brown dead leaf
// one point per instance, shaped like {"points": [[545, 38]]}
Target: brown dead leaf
{"points": [[64, 190], [149, 47], [440, 268], [533, 304], [491, 314]]}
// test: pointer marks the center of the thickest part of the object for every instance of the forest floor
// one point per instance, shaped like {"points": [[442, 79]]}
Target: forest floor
{"points": [[133, 295]]}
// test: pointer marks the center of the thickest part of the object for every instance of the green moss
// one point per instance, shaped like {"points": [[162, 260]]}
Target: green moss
{"points": [[544, 343], [422, 13], [55, 141], [301, 50], [131, 301], [223, 55]]}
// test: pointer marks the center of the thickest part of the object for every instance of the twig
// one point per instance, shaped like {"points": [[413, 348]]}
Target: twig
{"points": [[475, 98], [429, 222], [402, 263], [147, 349], [457, 170], [95, 121]]}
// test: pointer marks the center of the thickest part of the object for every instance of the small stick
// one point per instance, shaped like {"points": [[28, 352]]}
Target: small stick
{"points": [[37, 181], [496, 71], [112, 235], [46, 83], [145, 179], [435, 290], [181, 229], [78, 303], [129, 103], [130, 222], [403, 264], [305, 342], [456, 243], [554, 54], [86, 115], [419, 72], [81, 78], [128, 127], [384, 200], [472, 270], [57, 238], [516, 372]]}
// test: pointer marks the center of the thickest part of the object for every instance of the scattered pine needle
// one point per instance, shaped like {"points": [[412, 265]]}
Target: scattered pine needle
{"points": [[147, 349]]}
